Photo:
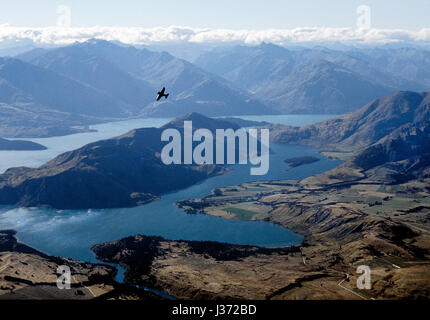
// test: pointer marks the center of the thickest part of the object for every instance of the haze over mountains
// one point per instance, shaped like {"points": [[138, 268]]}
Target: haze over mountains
{"points": [[131, 75], [32, 98], [47, 92], [99, 81], [319, 80]]}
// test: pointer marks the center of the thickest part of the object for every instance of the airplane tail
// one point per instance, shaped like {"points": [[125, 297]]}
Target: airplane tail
{"points": [[167, 95]]}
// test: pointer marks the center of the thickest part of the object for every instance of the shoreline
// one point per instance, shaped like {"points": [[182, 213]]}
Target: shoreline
{"points": [[328, 229], [309, 268]]}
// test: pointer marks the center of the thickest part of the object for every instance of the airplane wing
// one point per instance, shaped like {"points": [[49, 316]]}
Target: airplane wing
{"points": [[161, 93]]}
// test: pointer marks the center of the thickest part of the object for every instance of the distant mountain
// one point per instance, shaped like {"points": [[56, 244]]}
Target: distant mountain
{"points": [[249, 67], [398, 157], [318, 80], [118, 172], [200, 121], [79, 63], [22, 83], [37, 102], [389, 139], [363, 127], [409, 63], [361, 62], [31, 54], [20, 145], [322, 88], [61, 91], [245, 123], [29, 119], [133, 76]]}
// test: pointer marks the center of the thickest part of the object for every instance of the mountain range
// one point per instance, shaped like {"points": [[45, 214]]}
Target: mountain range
{"points": [[62, 90], [132, 76], [319, 80], [59, 91], [389, 139], [356, 130], [32, 98]]}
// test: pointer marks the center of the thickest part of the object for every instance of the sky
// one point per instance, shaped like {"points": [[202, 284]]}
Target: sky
{"points": [[283, 22], [224, 14]]}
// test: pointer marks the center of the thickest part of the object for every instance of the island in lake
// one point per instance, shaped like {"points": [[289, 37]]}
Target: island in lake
{"points": [[20, 145], [299, 161]]}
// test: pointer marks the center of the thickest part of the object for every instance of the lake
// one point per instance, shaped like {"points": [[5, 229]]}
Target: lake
{"points": [[71, 233]]}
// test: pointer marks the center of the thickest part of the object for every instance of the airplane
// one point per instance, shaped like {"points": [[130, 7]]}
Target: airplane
{"points": [[162, 94]]}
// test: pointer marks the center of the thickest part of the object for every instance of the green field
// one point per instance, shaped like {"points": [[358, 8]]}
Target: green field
{"points": [[240, 214]]}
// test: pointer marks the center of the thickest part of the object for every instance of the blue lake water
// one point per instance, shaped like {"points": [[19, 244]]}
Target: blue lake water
{"points": [[58, 145], [296, 120], [71, 233]]}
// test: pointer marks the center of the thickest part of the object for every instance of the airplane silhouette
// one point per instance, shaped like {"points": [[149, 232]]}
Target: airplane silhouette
{"points": [[162, 94]]}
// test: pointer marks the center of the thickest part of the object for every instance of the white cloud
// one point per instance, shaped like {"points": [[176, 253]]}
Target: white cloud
{"points": [[135, 35]]}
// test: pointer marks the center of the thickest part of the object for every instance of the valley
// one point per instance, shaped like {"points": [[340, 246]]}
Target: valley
{"points": [[385, 227]]}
